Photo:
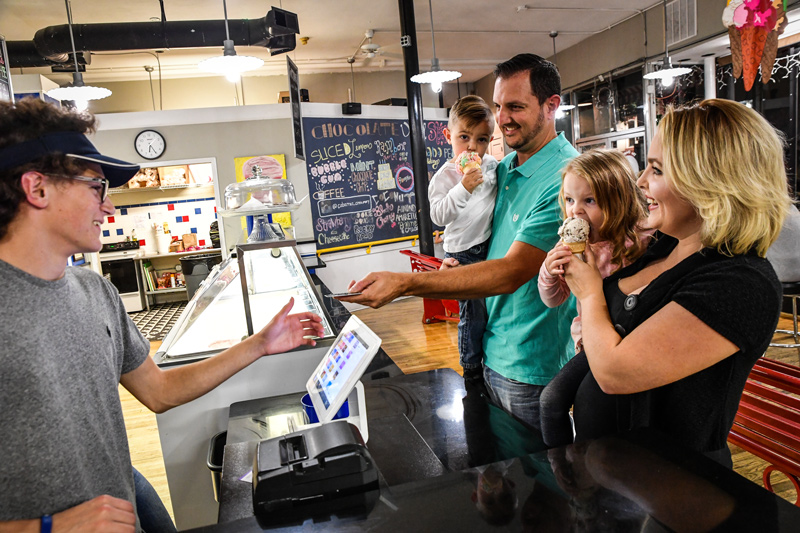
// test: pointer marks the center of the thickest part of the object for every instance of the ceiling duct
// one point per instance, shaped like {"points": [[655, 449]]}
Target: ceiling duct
{"points": [[51, 45]]}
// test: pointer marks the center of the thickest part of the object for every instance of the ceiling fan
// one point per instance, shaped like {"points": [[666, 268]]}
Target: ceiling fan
{"points": [[367, 50]]}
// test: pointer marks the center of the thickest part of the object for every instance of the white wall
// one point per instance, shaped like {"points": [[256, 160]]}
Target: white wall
{"points": [[227, 133]]}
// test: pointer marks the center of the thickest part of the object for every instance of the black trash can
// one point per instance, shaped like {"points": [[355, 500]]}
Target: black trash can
{"points": [[196, 268], [216, 449]]}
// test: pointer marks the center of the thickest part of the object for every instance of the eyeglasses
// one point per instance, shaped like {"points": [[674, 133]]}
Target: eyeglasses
{"points": [[103, 182]]}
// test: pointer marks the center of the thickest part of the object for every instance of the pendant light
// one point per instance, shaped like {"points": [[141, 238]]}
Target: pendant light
{"points": [[562, 108], [435, 76], [667, 73], [229, 64], [77, 91]]}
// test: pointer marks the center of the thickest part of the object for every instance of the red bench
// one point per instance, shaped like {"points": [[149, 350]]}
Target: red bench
{"points": [[767, 423], [434, 310]]}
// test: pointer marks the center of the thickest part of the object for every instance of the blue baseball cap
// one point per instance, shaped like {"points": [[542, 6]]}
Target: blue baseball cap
{"points": [[71, 144]]}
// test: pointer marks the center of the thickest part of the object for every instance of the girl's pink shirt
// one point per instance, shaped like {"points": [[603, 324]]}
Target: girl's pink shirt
{"points": [[554, 291]]}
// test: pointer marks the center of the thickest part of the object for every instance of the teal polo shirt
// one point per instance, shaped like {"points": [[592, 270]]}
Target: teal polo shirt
{"points": [[525, 340]]}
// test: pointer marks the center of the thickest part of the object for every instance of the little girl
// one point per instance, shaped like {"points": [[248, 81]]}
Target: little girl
{"points": [[598, 186]]}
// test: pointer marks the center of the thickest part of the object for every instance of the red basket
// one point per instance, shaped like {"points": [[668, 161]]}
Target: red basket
{"points": [[435, 310]]}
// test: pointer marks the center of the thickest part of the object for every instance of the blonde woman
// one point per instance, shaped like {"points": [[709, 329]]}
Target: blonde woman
{"points": [[671, 338]]}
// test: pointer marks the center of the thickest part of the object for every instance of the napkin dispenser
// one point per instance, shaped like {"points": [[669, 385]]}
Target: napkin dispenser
{"points": [[314, 471]]}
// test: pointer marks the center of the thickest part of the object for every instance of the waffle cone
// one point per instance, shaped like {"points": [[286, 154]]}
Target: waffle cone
{"points": [[753, 41], [736, 50], [576, 247], [770, 53], [469, 166]]}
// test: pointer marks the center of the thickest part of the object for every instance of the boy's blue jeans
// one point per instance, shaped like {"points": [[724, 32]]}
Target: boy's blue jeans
{"points": [[472, 313]]}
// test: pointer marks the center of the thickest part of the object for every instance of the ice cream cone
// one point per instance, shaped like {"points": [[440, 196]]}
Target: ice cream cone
{"points": [[467, 160], [771, 45], [470, 166], [576, 247], [753, 41], [768, 58], [736, 50]]}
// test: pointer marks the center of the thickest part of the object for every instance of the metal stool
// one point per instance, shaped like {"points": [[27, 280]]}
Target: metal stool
{"points": [[791, 290]]}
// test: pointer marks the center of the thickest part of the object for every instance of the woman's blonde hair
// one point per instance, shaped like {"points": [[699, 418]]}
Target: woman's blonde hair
{"points": [[613, 185], [727, 161]]}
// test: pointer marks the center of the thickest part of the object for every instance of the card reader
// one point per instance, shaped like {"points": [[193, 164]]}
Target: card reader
{"points": [[316, 471]]}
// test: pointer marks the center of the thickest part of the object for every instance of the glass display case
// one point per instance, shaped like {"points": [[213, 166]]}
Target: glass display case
{"points": [[240, 296]]}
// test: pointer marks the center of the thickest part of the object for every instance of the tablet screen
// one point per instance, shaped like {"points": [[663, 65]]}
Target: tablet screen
{"points": [[341, 367], [338, 366]]}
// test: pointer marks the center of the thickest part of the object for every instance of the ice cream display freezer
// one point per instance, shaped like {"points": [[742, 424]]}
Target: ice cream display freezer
{"points": [[239, 296]]}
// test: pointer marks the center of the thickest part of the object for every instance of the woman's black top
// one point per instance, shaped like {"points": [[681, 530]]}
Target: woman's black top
{"points": [[739, 297]]}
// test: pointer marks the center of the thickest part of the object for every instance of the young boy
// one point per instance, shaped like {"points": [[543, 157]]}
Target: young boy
{"points": [[464, 203]]}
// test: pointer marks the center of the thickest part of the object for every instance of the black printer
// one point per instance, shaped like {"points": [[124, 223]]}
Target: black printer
{"points": [[317, 471]]}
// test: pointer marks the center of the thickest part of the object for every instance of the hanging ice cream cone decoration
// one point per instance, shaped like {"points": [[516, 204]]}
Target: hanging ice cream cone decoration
{"points": [[753, 28], [753, 41], [771, 46], [736, 50]]}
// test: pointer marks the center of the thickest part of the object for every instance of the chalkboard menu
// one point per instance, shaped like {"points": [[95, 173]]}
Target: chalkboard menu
{"points": [[361, 180]]}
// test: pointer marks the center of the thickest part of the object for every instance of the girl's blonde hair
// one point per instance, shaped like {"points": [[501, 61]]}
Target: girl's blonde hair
{"points": [[613, 185], [727, 161]]}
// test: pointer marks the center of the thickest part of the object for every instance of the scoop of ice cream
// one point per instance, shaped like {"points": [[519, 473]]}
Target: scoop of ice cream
{"points": [[574, 230], [730, 17], [467, 160]]}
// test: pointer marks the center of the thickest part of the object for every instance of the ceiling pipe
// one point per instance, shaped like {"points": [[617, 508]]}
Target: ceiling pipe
{"points": [[25, 54], [275, 31]]}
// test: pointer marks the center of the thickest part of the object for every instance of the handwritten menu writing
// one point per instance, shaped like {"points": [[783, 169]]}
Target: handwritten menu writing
{"points": [[361, 179]]}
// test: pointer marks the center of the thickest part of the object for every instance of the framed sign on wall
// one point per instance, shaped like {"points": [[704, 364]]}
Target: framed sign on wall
{"points": [[6, 91], [297, 119]]}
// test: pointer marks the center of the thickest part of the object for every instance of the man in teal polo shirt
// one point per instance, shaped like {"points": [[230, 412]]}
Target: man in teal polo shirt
{"points": [[526, 343]]}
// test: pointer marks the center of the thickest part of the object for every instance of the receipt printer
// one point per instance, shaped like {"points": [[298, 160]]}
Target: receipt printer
{"points": [[315, 471]]}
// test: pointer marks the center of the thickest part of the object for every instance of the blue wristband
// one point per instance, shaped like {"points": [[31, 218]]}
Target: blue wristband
{"points": [[47, 523]]}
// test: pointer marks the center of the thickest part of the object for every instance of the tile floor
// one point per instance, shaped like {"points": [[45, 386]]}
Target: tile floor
{"points": [[156, 323]]}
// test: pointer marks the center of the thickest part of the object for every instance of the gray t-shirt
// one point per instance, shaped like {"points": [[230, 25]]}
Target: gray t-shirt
{"points": [[64, 345], [784, 254]]}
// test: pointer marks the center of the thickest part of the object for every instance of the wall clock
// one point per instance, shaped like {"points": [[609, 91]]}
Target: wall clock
{"points": [[150, 144]]}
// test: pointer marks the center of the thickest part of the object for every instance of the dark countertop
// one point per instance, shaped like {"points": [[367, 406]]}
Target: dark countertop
{"points": [[451, 461]]}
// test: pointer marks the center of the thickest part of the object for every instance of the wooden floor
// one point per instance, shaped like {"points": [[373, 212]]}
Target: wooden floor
{"points": [[414, 347]]}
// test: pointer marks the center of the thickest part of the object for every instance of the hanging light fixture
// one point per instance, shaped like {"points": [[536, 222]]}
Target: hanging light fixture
{"points": [[435, 76], [229, 64], [77, 91], [667, 73], [563, 108]]}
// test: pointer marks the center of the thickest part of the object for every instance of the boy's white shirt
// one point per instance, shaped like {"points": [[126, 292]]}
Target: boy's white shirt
{"points": [[467, 217]]}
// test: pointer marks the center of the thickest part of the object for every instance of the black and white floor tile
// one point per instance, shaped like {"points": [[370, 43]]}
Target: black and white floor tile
{"points": [[156, 323]]}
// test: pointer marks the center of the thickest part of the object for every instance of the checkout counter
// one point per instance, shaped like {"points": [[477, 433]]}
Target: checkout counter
{"points": [[448, 460], [240, 296]]}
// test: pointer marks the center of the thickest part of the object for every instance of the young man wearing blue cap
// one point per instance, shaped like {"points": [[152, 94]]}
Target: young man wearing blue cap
{"points": [[66, 340]]}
